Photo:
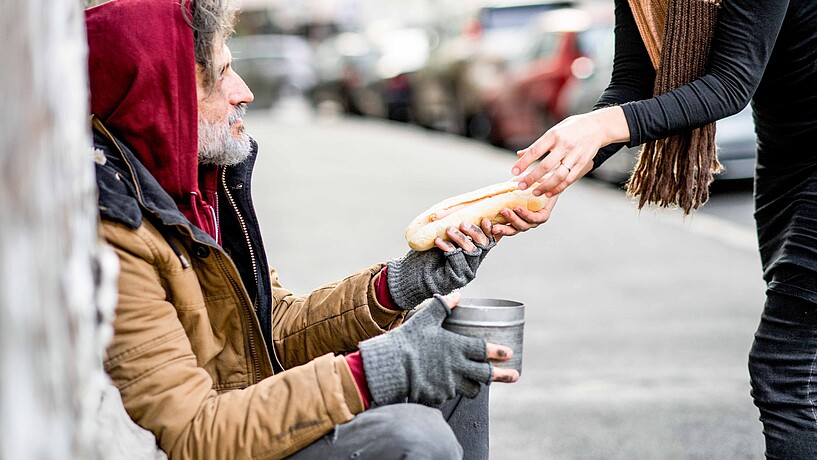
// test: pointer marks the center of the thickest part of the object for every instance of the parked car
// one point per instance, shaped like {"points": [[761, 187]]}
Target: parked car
{"points": [[346, 67], [447, 92], [525, 101], [274, 66], [369, 73]]}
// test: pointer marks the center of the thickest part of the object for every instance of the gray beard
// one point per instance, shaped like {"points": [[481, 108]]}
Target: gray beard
{"points": [[218, 146]]}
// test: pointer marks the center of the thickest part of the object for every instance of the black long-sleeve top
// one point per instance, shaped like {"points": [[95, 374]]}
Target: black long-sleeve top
{"points": [[764, 52], [766, 49]]}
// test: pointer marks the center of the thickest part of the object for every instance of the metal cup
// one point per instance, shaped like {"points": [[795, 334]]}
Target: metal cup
{"points": [[496, 320]]}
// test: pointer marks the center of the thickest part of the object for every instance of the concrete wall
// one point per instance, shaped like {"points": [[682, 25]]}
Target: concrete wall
{"points": [[57, 281]]}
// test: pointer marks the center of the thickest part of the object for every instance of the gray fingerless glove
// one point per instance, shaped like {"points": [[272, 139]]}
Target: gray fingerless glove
{"points": [[424, 362], [419, 275]]}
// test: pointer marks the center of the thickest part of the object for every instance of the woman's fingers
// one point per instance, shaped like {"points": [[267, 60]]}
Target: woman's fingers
{"points": [[553, 187], [537, 150], [501, 230], [559, 174], [549, 165], [521, 219]]}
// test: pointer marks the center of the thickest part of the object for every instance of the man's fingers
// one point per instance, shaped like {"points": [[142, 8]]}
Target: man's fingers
{"points": [[477, 234], [488, 229], [460, 239], [498, 352], [444, 245], [503, 375], [453, 299], [501, 353]]}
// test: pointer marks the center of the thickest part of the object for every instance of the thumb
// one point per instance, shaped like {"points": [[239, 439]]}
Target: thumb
{"points": [[439, 307], [452, 299]]}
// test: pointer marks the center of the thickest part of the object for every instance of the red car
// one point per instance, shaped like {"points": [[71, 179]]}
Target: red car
{"points": [[521, 105]]}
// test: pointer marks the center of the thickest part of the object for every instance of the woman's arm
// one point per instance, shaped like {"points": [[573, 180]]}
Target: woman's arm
{"points": [[744, 39], [633, 76]]}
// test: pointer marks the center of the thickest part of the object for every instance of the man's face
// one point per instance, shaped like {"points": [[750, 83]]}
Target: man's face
{"points": [[222, 140]]}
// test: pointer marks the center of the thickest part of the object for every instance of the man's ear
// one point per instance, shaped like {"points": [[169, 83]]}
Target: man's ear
{"points": [[201, 91]]}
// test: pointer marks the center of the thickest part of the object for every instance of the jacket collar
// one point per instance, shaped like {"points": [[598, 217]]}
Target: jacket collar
{"points": [[128, 192]]}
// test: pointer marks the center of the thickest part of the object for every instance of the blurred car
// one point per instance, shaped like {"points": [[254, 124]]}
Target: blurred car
{"points": [[524, 102], [346, 65], [274, 66], [368, 72], [447, 91]]}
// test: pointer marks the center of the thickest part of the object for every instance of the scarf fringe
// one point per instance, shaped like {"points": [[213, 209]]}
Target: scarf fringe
{"points": [[677, 171]]}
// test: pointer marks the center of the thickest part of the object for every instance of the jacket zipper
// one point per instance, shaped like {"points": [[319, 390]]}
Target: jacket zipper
{"points": [[249, 246], [250, 335]]}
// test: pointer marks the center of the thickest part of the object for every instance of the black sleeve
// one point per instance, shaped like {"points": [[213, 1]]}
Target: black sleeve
{"points": [[744, 39], [633, 76]]}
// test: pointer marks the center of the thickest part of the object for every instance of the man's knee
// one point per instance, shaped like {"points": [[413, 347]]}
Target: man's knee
{"points": [[421, 432]]}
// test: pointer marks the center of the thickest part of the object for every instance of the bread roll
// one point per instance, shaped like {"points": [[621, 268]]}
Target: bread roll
{"points": [[470, 207]]}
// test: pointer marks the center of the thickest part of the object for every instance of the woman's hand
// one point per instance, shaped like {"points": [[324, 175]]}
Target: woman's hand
{"points": [[568, 149], [520, 219]]}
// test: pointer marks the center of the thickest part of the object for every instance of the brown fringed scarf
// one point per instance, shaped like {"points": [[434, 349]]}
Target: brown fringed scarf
{"points": [[676, 171]]}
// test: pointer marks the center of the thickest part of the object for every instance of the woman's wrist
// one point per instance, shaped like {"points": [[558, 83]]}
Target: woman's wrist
{"points": [[613, 125]]}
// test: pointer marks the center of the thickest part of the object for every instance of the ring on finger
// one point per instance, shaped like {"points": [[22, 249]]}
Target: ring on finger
{"points": [[566, 167]]}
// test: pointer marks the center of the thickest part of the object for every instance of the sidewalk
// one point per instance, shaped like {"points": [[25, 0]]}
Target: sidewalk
{"points": [[638, 324]]}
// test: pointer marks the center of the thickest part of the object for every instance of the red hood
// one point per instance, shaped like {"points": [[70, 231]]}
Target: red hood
{"points": [[143, 89]]}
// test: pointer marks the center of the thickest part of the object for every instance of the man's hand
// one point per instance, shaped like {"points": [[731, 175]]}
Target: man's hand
{"points": [[451, 265], [427, 364], [466, 236]]}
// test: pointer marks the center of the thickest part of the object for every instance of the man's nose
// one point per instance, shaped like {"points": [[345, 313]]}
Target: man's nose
{"points": [[241, 92]]}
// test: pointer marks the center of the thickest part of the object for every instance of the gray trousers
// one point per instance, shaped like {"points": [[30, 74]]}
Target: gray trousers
{"points": [[456, 430]]}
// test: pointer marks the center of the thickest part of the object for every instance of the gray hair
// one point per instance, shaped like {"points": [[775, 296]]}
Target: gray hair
{"points": [[212, 24]]}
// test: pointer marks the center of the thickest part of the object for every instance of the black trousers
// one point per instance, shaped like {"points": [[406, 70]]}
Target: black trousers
{"points": [[783, 370]]}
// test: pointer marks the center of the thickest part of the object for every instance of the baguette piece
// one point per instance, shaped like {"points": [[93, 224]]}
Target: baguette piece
{"points": [[470, 207]]}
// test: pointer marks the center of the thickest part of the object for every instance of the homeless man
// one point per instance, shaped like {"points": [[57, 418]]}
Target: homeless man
{"points": [[210, 353]]}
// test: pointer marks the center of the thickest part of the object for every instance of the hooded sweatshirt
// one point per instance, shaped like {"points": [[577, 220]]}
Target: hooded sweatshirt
{"points": [[143, 89]]}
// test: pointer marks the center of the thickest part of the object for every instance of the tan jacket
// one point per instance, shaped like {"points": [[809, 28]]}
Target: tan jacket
{"points": [[191, 364]]}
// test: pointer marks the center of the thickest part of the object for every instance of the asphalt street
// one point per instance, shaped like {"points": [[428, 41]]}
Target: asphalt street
{"points": [[638, 323]]}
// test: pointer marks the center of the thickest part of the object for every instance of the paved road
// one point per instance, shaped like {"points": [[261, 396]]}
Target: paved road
{"points": [[638, 324]]}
